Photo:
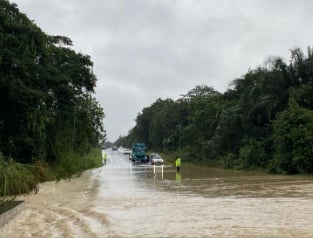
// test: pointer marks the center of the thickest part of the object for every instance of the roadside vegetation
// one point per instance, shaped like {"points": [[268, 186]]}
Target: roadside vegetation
{"points": [[263, 121], [17, 178], [50, 120]]}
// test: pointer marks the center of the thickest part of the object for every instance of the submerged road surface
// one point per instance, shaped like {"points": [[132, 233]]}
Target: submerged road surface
{"points": [[125, 200]]}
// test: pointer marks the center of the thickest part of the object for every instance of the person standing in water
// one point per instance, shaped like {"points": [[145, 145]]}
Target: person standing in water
{"points": [[177, 163], [104, 156]]}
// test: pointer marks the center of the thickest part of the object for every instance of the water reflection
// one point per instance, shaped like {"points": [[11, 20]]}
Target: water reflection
{"points": [[214, 182], [158, 170], [178, 176]]}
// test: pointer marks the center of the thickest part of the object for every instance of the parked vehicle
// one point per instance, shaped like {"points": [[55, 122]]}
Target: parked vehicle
{"points": [[139, 153], [127, 151], [156, 159]]}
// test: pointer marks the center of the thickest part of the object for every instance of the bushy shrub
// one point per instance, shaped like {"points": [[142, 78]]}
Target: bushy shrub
{"points": [[230, 161], [252, 153], [293, 140]]}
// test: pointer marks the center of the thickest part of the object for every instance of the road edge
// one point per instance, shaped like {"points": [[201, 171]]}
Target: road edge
{"points": [[6, 216]]}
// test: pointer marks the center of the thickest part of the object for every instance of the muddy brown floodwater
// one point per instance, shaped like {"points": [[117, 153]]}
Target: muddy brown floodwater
{"points": [[125, 200]]}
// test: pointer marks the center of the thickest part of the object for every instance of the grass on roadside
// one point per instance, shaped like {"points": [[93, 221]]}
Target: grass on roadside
{"points": [[16, 178], [73, 164]]}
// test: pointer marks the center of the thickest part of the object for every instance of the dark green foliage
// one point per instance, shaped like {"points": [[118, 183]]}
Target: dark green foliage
{"points": [[48, 111], [230, 161], [293, 140], [252, 154], [47, 107], [21, 44], [248, 126]]}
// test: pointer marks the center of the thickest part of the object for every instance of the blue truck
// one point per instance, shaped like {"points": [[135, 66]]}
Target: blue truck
{"points": [[139, 153]]}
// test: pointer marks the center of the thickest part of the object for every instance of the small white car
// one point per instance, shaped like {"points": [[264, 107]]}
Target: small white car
{"points": [[156, 159], [127, 152]]}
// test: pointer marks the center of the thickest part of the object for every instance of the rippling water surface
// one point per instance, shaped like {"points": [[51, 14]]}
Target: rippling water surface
{"points": [[125, 200]]}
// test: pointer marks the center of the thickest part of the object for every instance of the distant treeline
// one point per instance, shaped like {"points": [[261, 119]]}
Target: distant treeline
{"points": [[47, 109], [264, 120]]}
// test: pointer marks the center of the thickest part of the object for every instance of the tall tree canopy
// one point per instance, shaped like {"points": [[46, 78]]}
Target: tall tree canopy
{"points": [[250, 125], [46, 92]]}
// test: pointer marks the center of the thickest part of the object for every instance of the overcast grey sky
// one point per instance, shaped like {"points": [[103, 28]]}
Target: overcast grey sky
{"points": [[148, 49]]}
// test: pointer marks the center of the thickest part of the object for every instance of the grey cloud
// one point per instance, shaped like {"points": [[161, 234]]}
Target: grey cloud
{"points": [[146, 49]]}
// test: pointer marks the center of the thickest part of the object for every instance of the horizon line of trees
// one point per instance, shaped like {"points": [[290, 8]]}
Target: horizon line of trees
{"points": [[264, 119], [48, 111]]}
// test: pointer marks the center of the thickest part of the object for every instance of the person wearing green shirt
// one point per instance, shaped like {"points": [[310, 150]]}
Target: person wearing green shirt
{"points": [[177, 163]]}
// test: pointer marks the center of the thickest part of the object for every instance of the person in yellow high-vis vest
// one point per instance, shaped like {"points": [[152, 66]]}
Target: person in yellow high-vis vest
{"points": [[104, 156], [177, 163]]}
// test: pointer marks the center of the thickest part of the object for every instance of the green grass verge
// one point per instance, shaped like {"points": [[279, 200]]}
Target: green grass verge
{"points": [[19, 178], [73, 164]]}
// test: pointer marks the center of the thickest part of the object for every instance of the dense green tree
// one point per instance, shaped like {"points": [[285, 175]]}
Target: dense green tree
{"points": [[46, 92], [248, 126], [293, 140], [21, 46], [252, 153], [205, 106], [167, 124]]}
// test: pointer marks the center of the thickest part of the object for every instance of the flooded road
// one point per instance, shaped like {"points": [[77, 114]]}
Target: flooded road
{"points": [[125, 200]]}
